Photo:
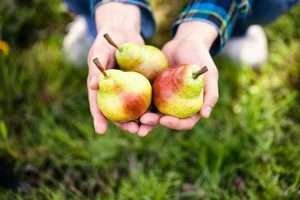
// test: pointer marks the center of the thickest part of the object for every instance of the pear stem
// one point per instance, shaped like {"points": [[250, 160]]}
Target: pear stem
{"points": [[200, 72], [110, 40], [100, 66]]}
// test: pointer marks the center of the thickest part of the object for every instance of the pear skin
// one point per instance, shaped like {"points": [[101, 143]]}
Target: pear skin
{"points": [[145, 59], [123, 96], [128, 56], [178, 91]]}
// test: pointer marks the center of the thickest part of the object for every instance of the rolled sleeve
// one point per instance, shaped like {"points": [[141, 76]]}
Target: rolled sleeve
{"points": [[220, 13], [147, 19]]}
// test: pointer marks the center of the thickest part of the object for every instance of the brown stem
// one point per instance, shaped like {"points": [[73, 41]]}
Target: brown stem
{"points": [[110, 40], [100, 66], [200, 72]]}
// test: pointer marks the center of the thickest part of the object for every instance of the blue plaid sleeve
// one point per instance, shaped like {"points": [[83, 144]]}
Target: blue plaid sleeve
{"points": [[147, 20], [220, 13]]}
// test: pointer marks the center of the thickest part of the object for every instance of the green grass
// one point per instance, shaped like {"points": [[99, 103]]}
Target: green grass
{"points": [[249, 149]]}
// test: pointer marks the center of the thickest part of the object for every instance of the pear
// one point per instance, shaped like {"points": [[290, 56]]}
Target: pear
{"points": [[178, 91], [122, 96], [145, 59]]}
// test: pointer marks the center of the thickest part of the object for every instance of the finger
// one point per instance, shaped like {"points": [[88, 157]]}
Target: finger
{"points": [[211, 93], [150, 118], [100, 123], [93, 82], [105, 56], [131, 127], [179, 124], [144, 130], [169, 53]]}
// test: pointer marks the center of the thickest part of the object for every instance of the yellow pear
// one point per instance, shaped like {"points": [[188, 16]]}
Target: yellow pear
{"points": [[178, 91], [145, 59], [122, 96]]}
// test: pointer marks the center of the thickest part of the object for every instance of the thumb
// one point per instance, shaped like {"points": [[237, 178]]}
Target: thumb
{"points": [[93, 82], [103, 56], [168, 50], [211, 93]]}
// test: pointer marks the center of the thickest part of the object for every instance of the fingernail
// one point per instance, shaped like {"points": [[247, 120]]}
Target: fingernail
{"points": [[99, 130], [143, 135], [206, 112], [143, 132], [132, 129]]}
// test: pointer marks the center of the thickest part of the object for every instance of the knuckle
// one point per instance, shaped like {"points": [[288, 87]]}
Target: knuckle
{"points": [[88, 81], [214, 72], [90, 56]]}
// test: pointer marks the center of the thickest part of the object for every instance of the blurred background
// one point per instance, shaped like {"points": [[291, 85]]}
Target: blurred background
{"points": [[248, 149]]}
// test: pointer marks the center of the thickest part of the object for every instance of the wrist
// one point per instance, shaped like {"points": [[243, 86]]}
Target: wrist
{"points": [[197, 31], [118, 17]]}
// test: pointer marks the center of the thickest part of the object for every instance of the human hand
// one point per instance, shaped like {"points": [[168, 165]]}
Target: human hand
{"points": [[110, 18], [191, 46]]}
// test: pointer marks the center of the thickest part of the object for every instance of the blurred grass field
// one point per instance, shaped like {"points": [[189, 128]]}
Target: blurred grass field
{"points": [[249, 149]]}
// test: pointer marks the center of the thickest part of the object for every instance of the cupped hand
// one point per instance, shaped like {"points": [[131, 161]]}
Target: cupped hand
{"points": [[123, 23], [105, 53], [188, 48]]}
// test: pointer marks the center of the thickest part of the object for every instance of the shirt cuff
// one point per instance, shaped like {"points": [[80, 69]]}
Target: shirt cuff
{"points": [[147, 19], [221, 14]]}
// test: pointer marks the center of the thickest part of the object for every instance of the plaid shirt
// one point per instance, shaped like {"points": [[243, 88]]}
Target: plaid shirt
{"points": [[220, 13]]}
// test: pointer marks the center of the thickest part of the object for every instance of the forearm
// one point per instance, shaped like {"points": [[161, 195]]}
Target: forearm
{"points": [[118, 16], [197, 31], [219, 14]]}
